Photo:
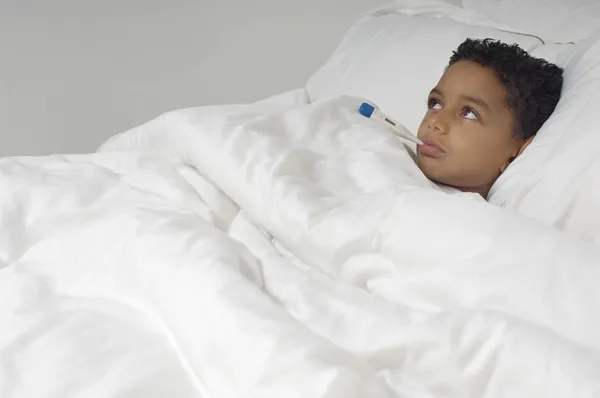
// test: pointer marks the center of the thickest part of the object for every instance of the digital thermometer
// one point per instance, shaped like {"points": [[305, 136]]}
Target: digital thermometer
{"points": [[372, 112]]}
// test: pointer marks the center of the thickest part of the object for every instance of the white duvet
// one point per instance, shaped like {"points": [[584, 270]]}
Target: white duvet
{"points": [[275, 250]]}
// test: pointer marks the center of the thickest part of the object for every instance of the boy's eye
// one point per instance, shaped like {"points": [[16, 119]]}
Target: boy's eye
{"points": [[468, 113], [434, 104]]}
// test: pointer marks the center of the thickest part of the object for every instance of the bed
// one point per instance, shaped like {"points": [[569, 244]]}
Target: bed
{"points": [[290, 247]]}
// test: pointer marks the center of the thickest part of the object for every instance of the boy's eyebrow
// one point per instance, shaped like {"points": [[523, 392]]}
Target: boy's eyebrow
{"points": [[436, 90], [477, 101]]}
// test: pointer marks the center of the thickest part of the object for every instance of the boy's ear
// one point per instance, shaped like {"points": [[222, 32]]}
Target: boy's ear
{"points": [[525, 145], [518, 153]]}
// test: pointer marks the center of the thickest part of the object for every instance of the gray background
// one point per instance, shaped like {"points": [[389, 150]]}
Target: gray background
{"points": [[75, 72]]}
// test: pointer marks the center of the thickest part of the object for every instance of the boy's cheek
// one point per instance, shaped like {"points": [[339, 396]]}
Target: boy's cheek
{"points": [[422, 127]]}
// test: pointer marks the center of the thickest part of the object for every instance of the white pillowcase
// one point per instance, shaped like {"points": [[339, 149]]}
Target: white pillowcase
{"points": [[553, 20], [557, 179], [394, 60]]}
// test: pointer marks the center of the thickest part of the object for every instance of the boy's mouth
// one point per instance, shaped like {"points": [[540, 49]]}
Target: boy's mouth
{"points": [[431, 148]]}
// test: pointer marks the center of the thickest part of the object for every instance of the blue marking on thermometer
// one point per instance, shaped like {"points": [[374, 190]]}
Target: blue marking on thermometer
{"points": [[371, 112]]}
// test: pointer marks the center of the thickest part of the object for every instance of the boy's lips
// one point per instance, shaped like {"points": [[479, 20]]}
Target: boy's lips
{"points": [[431, 148]]}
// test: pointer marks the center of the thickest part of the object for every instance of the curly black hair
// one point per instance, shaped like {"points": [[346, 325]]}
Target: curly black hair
{"points": [[533, 84]]}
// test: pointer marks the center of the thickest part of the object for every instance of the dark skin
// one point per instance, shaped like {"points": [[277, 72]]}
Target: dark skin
{"points": [[468, 130]]}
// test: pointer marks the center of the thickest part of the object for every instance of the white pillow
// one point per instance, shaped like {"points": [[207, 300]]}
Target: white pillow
{"points": [[394, 60], [555, 20], [558, 54], [557, 178]]}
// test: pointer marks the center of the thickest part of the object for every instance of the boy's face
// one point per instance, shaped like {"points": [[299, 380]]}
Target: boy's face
{"points": [[468, 129]]}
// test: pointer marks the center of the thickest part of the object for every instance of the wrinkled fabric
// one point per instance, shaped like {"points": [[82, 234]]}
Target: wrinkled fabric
{"points": [[280, 249]]}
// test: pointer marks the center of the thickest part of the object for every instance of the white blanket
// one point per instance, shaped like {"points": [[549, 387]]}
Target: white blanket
{"points": [[280, 250]]}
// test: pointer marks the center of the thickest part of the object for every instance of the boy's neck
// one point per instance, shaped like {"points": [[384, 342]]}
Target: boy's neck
{"points": [[482, 190]]}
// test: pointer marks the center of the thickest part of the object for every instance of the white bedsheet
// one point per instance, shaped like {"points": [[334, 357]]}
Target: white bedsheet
{"points": [[280, 250]]}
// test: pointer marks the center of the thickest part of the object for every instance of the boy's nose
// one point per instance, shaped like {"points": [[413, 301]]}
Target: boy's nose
{"points": [[439, 124]]}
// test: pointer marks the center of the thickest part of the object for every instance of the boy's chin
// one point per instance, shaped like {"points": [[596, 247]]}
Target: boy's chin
{"points": [[429, 167], [433, 174]]}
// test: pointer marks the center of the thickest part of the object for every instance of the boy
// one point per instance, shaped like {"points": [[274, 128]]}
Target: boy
{"points": [[488, 105]]}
